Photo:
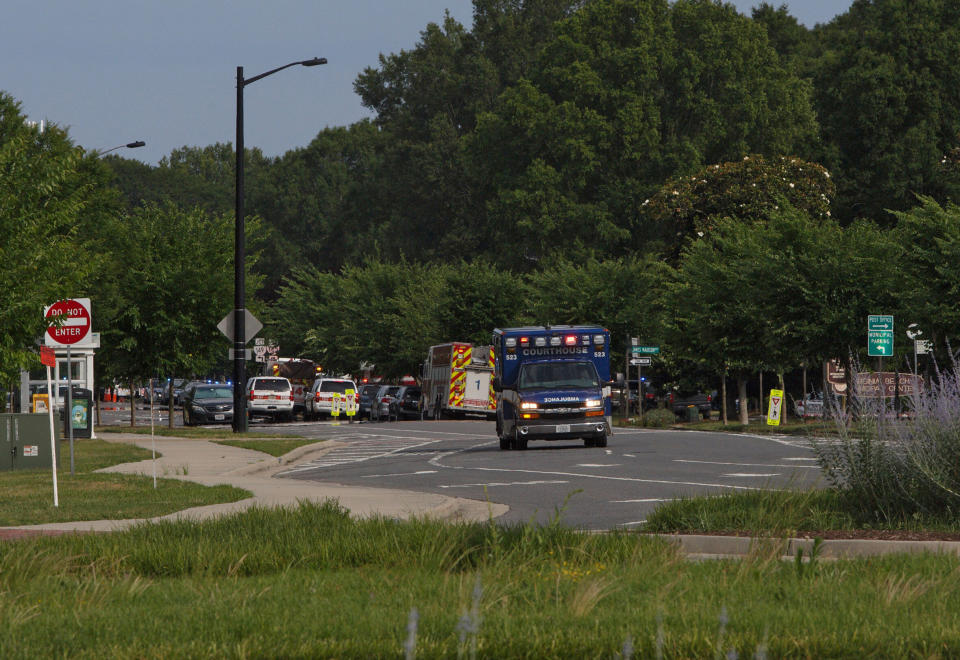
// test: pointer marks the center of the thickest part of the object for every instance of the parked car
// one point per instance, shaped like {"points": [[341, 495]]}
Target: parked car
{"points": [[270, 396], [680, 401], [318, 402], [380, 408], [164, 393], [408, 402], [812, 406], [368, 393], [207, 403]]}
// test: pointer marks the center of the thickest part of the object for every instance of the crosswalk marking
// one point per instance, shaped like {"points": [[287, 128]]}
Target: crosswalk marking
{"points": [[359, 449]]}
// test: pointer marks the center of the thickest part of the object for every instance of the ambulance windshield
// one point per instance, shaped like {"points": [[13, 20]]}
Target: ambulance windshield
{"points": [[557, 376]]}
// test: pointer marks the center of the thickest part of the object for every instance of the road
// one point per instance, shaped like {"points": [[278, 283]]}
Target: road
{"points": [[591, 488]]}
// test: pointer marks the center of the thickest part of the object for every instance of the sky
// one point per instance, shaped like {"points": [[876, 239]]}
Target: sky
{"points": [[164, 71]]}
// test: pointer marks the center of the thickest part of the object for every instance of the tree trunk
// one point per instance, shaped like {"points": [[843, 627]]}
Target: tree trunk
{"points": [[133, 407], [170, 404], [783, 404], [742, 393], [723, 398]]}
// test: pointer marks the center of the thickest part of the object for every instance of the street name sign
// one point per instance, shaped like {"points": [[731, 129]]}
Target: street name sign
{"points": [[644, 350], [879, 335]]}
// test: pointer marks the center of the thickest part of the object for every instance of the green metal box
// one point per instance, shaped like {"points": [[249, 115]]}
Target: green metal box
{"points": [[25, 441]]}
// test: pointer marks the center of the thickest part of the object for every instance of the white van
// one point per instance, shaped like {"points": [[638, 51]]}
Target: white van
{"points": [[270, 396], [319, 400]]}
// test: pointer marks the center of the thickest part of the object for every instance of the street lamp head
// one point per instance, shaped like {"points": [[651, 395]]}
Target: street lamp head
{"points": [[135, 145], [315, 61]]}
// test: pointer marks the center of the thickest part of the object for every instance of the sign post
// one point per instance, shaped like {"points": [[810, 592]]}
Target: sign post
{"points": [[69, 322], [49, 359]]}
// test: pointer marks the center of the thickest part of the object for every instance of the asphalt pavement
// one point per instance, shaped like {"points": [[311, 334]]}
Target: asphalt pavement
{"points": [[211, 464]]}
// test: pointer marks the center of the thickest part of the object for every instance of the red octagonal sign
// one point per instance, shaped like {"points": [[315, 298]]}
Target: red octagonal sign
{"points": [[76, 321]]}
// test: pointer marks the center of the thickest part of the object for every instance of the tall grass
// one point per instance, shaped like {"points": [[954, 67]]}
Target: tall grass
{"points": [[379, 588], [893, 468]]}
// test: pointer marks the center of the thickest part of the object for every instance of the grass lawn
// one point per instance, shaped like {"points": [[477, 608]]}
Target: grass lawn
{"points": [[26, 496], [268, 443], [311, 582]]}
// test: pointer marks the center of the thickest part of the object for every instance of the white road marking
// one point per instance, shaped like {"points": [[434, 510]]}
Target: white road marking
{"points": [[635, 522], [630, 455], [687, 460], [649, 499], [358, 451], [801, 458], [399, 474], [597, 465], [745, 474], [505, 483]]}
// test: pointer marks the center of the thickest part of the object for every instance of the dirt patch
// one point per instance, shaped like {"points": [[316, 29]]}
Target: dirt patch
{"points": [[12, 534]]}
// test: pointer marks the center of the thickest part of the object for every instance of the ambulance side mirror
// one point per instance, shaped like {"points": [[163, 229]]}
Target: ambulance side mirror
{"points": [[496, 384]]}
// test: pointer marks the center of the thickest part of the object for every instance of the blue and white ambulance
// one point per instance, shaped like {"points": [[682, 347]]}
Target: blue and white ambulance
{"points": [[552, 383]]}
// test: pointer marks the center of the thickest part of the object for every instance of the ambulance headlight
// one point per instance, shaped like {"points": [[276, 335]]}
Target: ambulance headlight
{"points": [[528, 405], [593, 403]]}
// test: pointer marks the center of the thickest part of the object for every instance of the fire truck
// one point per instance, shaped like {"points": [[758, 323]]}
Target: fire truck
{"points": [[456, 380]]}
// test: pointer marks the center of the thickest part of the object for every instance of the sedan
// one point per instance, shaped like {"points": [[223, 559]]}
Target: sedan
{"points": [[207, 404], [381, 408]]}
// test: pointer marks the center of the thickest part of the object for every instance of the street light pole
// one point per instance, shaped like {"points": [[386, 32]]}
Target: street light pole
{"points": [[128, 145], [239, 256]]}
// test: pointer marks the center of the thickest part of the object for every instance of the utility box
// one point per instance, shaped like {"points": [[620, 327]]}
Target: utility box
{"points": [[81, 414], [25, 441], [691, 414]]}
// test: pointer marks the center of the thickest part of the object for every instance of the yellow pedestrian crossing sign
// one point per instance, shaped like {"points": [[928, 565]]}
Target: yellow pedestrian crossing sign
{"points": [[775, 407]]}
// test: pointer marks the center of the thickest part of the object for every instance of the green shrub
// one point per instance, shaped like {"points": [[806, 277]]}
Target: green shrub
{"points": [[659, 418]]}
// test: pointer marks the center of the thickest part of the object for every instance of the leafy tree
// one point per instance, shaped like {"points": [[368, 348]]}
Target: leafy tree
{"points": [[624, 295], [928, 238], [174, 286], [886, 95], [751, 189], [626, 95], [45, 191]]}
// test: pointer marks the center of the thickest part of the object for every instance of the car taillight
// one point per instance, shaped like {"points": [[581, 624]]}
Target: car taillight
{"points": [[316, 397], [291, 396]]}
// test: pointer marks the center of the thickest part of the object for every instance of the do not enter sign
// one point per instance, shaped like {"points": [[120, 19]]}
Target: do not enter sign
{"points": [[69, 320]]}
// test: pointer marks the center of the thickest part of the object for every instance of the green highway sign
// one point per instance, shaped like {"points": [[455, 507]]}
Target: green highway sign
{"points": [[880, 322], [880, 343], [880, 335], [644, 350]]}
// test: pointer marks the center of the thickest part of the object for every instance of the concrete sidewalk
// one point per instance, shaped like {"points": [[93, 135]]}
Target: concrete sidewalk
{"points": [[212, 464]]}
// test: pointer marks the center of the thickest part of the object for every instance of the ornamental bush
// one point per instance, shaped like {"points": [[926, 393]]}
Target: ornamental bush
{"points": [[659, 418], [894, 468]]}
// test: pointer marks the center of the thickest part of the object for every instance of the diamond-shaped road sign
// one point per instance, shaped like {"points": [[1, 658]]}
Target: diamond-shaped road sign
{"points": [[251, 326]]}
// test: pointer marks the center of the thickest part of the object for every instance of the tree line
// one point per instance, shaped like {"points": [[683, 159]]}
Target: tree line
{"points": [[743, 190]]}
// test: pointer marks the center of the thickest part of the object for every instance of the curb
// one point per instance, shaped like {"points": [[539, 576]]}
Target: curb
{"points": [[696, 546]]}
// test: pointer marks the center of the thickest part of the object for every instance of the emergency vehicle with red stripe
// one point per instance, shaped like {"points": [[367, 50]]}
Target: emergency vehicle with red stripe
{"points": [[456, 379]]}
